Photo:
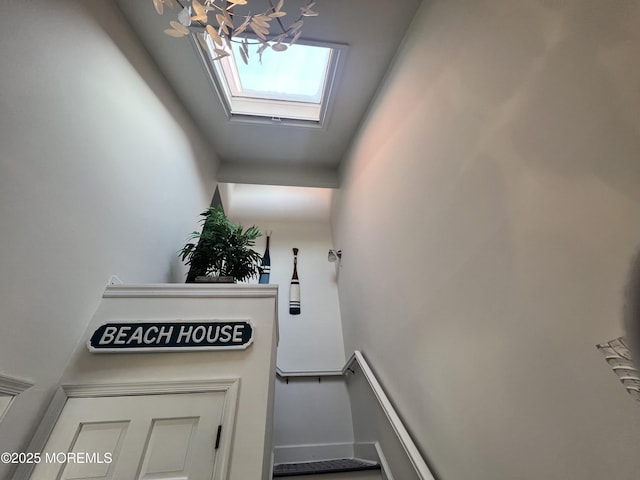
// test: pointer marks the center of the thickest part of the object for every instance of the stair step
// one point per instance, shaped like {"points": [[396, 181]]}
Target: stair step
{"points": [[339, 465]]}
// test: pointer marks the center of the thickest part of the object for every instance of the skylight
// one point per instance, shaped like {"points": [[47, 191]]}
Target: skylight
{"points": [[291, 85], [297, 74]]}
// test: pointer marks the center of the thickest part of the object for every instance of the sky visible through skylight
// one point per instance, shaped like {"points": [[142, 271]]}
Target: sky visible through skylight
{"points": [[298, 73]]}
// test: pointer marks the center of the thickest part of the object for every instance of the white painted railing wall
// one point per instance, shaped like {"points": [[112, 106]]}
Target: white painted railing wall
{"points": [[409, 447]]}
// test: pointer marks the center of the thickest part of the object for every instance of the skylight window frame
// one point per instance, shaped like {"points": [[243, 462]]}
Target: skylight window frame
{"points": [[226, 69], [335, 65]]}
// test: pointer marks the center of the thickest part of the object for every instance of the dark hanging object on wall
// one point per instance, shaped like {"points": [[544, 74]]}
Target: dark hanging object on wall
{"points": [[294, 290], [265, 268]]}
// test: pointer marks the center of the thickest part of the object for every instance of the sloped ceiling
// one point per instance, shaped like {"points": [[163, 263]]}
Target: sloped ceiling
{"points": [[277, 154]]}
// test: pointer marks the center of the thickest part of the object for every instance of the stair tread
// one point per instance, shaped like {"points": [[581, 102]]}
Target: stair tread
{"points": [[324, 466]]}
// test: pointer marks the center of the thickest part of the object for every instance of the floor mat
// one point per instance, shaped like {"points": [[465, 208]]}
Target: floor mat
{"points": [[324, 466]]}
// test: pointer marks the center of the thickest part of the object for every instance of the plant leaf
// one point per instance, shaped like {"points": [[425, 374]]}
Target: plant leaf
{"points": [[259, 31], [159, 6], [243, 55], [261, 20], [257, 26], [179, 27], [221, 53], [241, 28], [198, 8], [306, 12], [228, 19], [214, 35], [296, 25], [222, 22], [223, 248], [174, 33], [262, 48], [295, 37]]}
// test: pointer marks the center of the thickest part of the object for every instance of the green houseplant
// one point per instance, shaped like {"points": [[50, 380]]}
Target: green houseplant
{"points": [[222, 249]]}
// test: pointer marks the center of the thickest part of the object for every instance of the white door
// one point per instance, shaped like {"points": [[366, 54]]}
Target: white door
{"points": [[149, 437]]}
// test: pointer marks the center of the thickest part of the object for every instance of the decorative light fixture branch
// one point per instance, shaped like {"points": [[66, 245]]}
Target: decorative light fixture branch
{"points": [[224, 25]]}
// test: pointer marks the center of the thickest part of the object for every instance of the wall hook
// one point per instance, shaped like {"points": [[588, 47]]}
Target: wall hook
{"points": [[334, 255]]}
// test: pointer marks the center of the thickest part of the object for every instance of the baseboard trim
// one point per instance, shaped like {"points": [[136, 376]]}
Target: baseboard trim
{"points": [[311, 452], [372, 451], [365, 451], [384, 465]]}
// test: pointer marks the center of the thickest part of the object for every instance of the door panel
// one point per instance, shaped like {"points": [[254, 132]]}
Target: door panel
{"points": [[100, 438], [150, 437], [167, 450]]}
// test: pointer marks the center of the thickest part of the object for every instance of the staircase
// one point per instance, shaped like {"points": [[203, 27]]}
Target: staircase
{"points": [[344, 468], [373, 407]]}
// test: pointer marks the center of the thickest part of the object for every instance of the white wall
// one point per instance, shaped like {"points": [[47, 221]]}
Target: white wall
{"points": [[488, 213], [312, 420], [313, 339], [101, 173], [254, 366], [306, 413]]}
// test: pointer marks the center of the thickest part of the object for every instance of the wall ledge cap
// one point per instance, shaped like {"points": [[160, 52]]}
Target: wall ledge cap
{"points": [[190, 290]]}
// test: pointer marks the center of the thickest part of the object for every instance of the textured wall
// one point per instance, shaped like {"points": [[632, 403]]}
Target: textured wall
{"points": [[488, 212], [101, 173]]}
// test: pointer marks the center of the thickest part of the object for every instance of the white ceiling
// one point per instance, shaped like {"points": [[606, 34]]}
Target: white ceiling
{"points": [[275, 203], [276, 154]]}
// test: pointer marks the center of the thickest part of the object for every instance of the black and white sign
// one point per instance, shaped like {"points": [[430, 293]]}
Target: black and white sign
{"points": [[171, 336]]}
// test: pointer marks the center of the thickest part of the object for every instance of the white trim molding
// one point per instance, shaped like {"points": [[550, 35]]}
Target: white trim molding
{"points": [[190, 290], [410, 448], [372, 451], [303, 453], [13, 386], [308, 373], [384, 465], [148, 388], [328, 372], [10, 388]]}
